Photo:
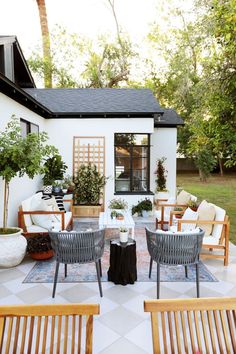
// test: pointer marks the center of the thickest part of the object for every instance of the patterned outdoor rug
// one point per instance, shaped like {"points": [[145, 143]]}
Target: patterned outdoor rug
{"points": [[43, 271]]}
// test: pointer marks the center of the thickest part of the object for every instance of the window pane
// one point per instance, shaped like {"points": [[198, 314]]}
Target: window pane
{"points": [[140, 139], [34, 128], [24, 129], [123, 139], [122, 151], [139, 185], [140, 151]]}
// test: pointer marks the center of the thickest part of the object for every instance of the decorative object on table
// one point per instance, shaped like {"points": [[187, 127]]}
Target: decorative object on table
{"points": [[88, 190], [113, 214], [67, 184], [39, 247], [47, 189], [119, 216], [161, 179], [54, 169], [142, 208], [18, 156], [124, 234], [57, 187], [117, 204], [123, 261]]}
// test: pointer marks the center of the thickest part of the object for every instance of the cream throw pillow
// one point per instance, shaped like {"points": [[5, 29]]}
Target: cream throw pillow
{"points": [[207, 212], [189, 214], [183, 197]]}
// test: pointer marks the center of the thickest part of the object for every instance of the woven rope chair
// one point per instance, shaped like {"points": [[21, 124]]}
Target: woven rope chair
{"points": [[78, 247], [174, 249]]}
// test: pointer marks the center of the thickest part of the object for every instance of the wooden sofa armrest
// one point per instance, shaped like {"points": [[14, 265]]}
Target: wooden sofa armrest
{"points": [[175, 212], [68, 201], [21, 214], [181, 221]]}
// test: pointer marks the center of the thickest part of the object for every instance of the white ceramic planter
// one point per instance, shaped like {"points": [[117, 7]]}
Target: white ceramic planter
{"points": [[12, 249], [124, 236], [162, 195], [145, 213]]}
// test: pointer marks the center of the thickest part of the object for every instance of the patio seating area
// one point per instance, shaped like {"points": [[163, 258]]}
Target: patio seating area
{"points": [[111, 333]]}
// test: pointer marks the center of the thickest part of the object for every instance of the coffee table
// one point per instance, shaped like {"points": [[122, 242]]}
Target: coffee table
{"points": [[105, 221]]}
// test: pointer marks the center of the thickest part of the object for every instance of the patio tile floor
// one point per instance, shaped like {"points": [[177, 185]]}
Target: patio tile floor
{"points": [[122, 326]]}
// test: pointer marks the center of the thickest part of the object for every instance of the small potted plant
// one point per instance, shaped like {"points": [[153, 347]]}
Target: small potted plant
{"points": [[57, 187], [120, 216], [118, 203], [178, 216], [145, 206], [39, 247], [192, 204], [124, 234], [113, 214]]}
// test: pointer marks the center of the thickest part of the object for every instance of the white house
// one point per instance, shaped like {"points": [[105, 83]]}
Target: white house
{"points": [[126, 128]]}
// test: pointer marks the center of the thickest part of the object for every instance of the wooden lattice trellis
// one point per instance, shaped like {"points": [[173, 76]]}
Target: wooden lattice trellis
{"points": [[89, 149]]}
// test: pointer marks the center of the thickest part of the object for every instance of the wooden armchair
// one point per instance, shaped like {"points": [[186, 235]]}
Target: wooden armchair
{"points": [[26, 222], [185, 326], [219, 238], [46, 328]]}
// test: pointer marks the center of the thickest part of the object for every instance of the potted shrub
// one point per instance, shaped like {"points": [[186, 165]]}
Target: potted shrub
{"points": [[39, 247], [142, 208], [88, 190], [18, 156], [192, 204], [178, 216], [124, 234], [54, 169], [113, 214], [117, 204], [161, 173]]}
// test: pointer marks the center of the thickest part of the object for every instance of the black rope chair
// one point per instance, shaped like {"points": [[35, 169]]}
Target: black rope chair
{"points": [[174, 249], [78, 247]]}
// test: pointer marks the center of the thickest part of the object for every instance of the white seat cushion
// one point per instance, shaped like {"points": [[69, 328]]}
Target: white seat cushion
{"points": [[186, 232], [189, 215], [26, 207], [209, 240], [36, 228], [220, 216]]}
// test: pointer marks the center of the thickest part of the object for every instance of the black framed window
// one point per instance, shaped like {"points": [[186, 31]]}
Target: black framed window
{"points": [[28, 127], [132, 163]]}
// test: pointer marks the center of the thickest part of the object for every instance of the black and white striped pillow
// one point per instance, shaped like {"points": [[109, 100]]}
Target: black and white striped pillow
{"points": [[59, 201]]}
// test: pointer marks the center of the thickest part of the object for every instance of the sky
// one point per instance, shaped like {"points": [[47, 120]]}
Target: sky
{"points": [[86, 17]]}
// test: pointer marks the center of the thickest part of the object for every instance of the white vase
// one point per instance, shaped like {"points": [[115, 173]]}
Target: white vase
{"points": [[145, 213], [12, 249], [124, 236]]}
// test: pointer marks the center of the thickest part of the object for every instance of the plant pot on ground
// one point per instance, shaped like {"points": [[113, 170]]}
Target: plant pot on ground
{"points": [[142, 206], [39, 247], [161, 173], [12, 247]]}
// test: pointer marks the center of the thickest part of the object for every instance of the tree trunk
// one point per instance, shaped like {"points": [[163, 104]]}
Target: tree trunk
{"points": [[221, 166], [5, 205], [46, 43]]}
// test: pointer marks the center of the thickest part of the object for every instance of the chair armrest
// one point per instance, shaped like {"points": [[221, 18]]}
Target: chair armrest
{"points": [[68, 201], [196, 222], [42, 212], [175, 212]]}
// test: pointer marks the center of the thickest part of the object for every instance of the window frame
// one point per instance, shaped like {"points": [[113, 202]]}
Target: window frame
{"points": [[148, 146], [29, 126]]}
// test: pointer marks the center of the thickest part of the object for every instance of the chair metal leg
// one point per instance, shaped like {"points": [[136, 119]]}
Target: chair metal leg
{"points": [[100, 267], [99, 278], [150, 267], [197, 280], [186, 271], [158, 280], [65, 270], [55, 279]]}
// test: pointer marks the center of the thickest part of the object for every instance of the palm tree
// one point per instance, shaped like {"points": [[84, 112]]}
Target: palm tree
{"points": [[46, 43]]}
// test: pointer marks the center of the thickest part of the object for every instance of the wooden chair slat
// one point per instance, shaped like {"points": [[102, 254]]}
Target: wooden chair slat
{"points": [[191, 332], [204, 328], [164, 332], [232, 329], [177, 331], [25, 328], [212, 334], [218, 331], [198, 332], [184, 326], [225, 330], [171, 333]]}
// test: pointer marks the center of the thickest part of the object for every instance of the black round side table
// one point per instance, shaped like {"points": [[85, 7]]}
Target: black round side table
{"points": [[122, 268]]}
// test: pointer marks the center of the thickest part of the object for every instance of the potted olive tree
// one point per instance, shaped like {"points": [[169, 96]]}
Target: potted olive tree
{"points": [[18, 156], [88, 190]]}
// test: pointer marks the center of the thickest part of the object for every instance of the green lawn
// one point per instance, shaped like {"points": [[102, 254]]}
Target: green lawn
{"points": [[218, 190]]}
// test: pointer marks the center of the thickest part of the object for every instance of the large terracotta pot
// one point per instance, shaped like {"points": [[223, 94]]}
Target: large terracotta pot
{"points": [[39, 256], [12, 248]]}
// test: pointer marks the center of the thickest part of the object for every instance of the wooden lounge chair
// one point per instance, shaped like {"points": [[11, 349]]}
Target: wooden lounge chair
{"points": [[184, 326], [46, 328]]}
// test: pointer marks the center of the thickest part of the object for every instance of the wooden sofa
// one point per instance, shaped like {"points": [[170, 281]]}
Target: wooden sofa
{"points": [[219, 238], [47, 328], [26, 222], [206, 325]]}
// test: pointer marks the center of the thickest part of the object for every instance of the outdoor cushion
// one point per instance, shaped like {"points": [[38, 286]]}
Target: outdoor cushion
{"points": [[206, 211], [36, 228], [209, 240], [183, 197], [38, 204], [186, 232], [167, 210], [189, 214], [220, 216], [26, 207]]}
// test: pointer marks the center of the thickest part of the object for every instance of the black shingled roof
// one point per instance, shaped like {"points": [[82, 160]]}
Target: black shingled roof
{"points": [[97, 101], [169, 118]]}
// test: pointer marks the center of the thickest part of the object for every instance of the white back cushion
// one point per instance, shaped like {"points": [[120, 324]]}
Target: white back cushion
{"points": [[41, 220], [220, 216], [206, 211], [26, 206], [183, 197], [189, 214]]}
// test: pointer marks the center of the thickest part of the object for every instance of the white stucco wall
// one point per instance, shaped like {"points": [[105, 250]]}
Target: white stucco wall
{"points": [[20, 188], [61, 133], [163, 144]]}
